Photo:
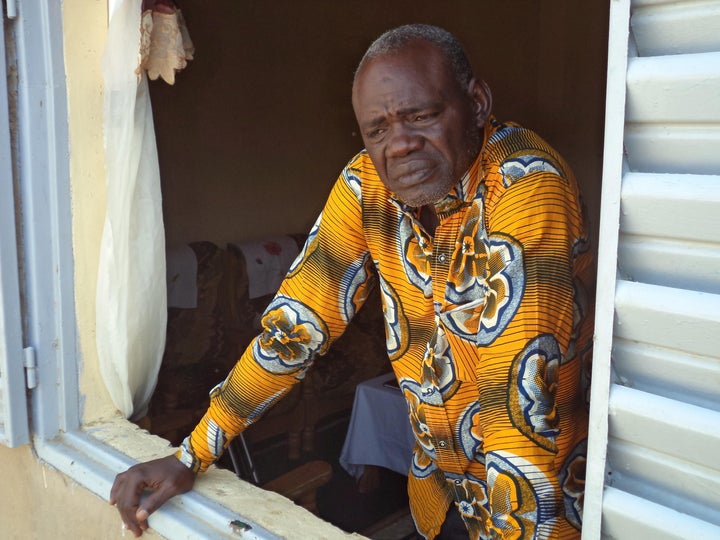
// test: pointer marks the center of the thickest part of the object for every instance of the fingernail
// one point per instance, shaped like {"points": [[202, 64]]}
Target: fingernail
{"points": [[141, 514]]}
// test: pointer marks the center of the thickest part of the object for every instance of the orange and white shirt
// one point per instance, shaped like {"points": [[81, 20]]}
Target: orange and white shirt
{"points": [[488, 327]]}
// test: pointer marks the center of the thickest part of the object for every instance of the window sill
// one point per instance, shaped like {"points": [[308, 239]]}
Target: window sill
{"points": [[93, 456]]}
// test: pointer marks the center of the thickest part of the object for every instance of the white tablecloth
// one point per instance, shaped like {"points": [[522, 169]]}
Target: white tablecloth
{"points": [[379, 432]]}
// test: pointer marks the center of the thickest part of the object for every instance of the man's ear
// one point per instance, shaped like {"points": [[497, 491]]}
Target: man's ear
{"points": [[481, 97]]}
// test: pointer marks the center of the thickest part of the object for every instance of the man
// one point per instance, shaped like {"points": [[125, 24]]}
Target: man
{"points": [[473, 231]]}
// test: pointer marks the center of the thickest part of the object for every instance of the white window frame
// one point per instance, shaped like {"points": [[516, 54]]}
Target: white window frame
{"points": [[613, 166]]}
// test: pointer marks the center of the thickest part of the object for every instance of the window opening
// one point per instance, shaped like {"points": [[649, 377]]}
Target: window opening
{"points": [[236, 146]]}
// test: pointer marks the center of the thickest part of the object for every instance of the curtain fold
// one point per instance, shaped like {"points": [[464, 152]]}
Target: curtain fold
{"points": [[131, 302]]}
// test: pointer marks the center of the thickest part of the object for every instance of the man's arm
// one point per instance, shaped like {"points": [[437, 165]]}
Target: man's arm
{"points": [[324, 288], [532, 433]]}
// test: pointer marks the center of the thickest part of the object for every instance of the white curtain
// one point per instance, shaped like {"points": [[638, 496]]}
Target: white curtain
{"points": [[131, 301]]}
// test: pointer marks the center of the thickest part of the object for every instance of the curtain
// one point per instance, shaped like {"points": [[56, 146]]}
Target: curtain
{"points": [[131, 302]]}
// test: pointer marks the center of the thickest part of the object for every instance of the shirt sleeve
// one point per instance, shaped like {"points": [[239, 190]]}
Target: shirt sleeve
{"points": [[322, 291], [528, 377]]}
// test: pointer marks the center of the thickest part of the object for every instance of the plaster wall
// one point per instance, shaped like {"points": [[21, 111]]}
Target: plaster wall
{"points": [[36, 501], [39, 503]]}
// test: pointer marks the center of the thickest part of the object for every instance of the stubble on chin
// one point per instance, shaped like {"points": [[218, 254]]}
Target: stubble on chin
{"points": [[431, 196]]}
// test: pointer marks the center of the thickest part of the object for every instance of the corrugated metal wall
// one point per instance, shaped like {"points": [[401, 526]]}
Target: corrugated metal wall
{"points": [[662, 423]]}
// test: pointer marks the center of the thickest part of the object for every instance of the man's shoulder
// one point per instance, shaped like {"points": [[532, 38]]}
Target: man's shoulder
{"points": [[517, 151], [360, 164], [360, 171]]}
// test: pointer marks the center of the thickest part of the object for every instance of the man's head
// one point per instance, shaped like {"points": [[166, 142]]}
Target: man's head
{"points": [[420, 111]]}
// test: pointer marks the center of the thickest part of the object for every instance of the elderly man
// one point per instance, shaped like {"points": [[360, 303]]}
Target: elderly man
{"points": [[473, 231]]}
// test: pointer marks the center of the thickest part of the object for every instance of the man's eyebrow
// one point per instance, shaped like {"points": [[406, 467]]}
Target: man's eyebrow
{"points": [[379, 120], [374, 122]]}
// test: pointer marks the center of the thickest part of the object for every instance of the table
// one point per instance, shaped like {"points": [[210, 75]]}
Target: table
{"points": [[379, 432]]}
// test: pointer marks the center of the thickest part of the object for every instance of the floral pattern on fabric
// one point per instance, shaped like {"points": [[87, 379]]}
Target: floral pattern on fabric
{"points": [[469, 268], [532, 392], [309, 247], [486, 284], [514, 486], [417, 255], [216, 439], [396, 324], [357, 275], [291, 335], [470, 435], [474, 512], [572, 481], [520, 166], [506, 284], [438, 370], [424, 457], [351, 176]]}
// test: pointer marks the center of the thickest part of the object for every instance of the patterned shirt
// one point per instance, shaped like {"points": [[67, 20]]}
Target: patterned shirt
{"points": [[488, 329]]}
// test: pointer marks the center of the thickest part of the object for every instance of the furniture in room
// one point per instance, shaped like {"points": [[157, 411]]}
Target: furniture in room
{"points": [[379, 433], [300, 484], [213, 316]]}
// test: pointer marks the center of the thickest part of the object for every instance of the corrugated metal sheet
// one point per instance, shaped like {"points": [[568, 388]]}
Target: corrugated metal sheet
{"points": [[662, 429]]}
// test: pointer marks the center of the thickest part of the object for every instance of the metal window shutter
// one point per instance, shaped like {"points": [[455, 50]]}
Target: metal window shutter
{"points": [[654, 457], [13, 408]]}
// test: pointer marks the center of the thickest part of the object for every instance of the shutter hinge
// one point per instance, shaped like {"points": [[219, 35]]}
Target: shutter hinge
{"points": [[11, 7], [30, 363]]}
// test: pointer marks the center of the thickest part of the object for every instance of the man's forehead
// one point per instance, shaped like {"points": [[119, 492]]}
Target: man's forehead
{"points": [[410, 53], [417, 62]]}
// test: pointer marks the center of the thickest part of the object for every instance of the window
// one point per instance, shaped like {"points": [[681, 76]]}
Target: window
{"points": [[46, 284]]}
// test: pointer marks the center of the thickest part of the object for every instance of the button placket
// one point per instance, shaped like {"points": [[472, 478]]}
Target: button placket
{"points": [[437, 416]]}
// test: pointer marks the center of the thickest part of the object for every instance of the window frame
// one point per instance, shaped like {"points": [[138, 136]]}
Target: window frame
{"points": [[82, 452], [14, 429]]}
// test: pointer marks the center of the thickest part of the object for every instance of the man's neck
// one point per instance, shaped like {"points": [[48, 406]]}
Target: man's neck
{"points": [[428, 218]]}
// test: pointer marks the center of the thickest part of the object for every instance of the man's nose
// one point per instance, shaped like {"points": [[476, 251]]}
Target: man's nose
{"points": [[403, 141]]}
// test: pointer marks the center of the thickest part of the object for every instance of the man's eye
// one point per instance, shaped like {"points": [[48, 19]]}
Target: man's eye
{"points": [[375, 133], [423, 117]]}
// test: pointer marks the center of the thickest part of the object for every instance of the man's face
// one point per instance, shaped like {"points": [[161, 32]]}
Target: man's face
{"points": [[420, 128]]}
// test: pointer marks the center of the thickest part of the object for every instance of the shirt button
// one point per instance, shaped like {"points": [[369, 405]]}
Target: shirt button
{"points": [[458, 482], [441, 257], [441, 444]]}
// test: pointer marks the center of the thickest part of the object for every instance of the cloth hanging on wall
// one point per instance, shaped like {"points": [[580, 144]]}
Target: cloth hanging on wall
{"points": [[131, 302]]}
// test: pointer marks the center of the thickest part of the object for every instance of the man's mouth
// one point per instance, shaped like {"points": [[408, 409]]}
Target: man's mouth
{"points": [[412, 175]]}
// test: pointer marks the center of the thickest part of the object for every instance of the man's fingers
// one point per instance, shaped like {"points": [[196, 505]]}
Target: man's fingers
{"points": [[131, 524], [166, 477], [151, 503], [142, 514]]}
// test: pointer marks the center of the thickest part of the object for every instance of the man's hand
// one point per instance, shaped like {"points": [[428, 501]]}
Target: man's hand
{"points": [[166, 476]]}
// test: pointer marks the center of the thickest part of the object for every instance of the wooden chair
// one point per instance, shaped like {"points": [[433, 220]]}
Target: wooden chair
{"points": [[300, 484]]}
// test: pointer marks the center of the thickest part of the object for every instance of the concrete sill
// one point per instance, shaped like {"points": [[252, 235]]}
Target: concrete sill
{"points": [[94, 455]]}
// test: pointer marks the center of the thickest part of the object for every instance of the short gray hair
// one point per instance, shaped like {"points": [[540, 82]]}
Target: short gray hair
{"points": [[396, 39]]}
